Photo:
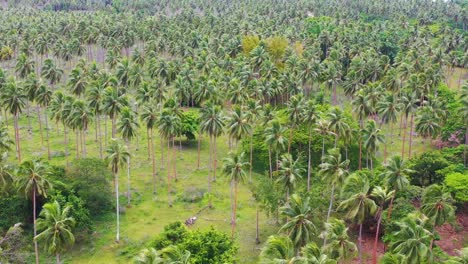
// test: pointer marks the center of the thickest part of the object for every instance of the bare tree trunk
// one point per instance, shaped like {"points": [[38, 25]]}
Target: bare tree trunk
{"points": [[251, 158], [36, 251], [117, 207], [174, 159], [84, 143], [329, 210], [410, 136], [47, 133], [257, 235], [17, 138], [129, 194], [377, 232], [65, 142], [198, 150], [309, 161], [28, 106], [235, 209], [360, 243], [404, 139], [148, 142], [269, 159], [169, 175], [40, 124], [153, 161], [100, 135], [57, 258], [215, 159], [209, 175]]}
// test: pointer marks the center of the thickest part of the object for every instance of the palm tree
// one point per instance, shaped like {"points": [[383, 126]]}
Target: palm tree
{"points": [[213, 124], [32, 180], [409, 101], [413, 239], [388, 109], [289, 173], [78, 81], [427, 124], [437, 205], [56, 228], [113, 103], [96, 100], [150, 117], [323, 128], [299, 226], [169, 125], [337, 123], [278, 249], [43, 98], [233, 168], [175, 255], [362, 110], [79, 118], [5, 140], [128, 127], [395, 178], [149, 256], [13, 99], [275, 140], [391, 258], [372, 136], [359, 205], [24, 66], [117, 156], [381, 196], [294, 108], [334, 170], [464, 108], [237, 124], [310, 117], [51, 72], [339, 246]]}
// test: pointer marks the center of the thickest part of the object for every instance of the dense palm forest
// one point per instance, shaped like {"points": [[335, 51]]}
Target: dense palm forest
{"points": [[244, 131]]}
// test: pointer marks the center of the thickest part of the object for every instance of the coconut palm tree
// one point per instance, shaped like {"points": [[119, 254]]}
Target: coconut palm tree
{"points": [[51, 72], [43, 99], [78, 81], [128, 127], [278, 249], [32, 180], [413, 239], [213, 124], [362, 110], [437, 205], [5, 140], [381, 196], [294, 108], [339, 246], [149, 256], [113, 103], [310, 117], [299, 225], [24, 66], [13, 99], [323, 128], [372, 137], [234, 168], [289, 173], [95, 97], [275, 140], [409, 101], [357, 204], [237, 124], [150, 117], [117, 156], [56, 226], [175, 255], [395, 177], [388, 109], [334, 170], [427, 124], [337, 123], [79, 118]]}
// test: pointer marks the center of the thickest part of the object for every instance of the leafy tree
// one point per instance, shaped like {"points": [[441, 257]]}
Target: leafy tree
{"points": [[457, 184], [56, 229], [290, 171]]}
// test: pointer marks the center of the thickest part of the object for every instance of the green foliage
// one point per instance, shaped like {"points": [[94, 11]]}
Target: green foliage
{"points": [[401, 208], [249, 42], [209, 246], [192, 195], [189, 124], [425, 166], [90, 180], [318, 24], [457, 184], [14, 209], [276, 46]]}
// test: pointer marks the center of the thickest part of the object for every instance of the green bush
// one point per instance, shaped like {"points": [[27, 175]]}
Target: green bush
{"points": [[173, 234], [425, 166], [13, 209], [90, 180], [192, 195], [190, 123], [457, 183]]}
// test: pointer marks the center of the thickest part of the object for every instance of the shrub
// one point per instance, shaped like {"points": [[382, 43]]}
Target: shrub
{"points": [[90, 180], [457, 183], [190, 123], [425, 167], [14, 209], [249, 43], [192, 195]]}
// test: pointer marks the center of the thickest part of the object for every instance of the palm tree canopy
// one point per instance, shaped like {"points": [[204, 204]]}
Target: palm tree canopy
{"points": [[234, 167]]}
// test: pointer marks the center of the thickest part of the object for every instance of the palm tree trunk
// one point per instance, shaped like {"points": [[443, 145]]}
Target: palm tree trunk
{"points": [[36, 251], [17, 138], [96, 124], [235, 210], [331, 202], [77, 144], [161, 143], [153, 161], [169, 174], [100, 136], [377, 232], [47, 134], [40, 124], [29, 116], [215, 160], [105, 131], [360, 243], [466, 144], [113, 126], [57, 258], [323, 146], [209, 175], [117, 207], [269, 159], [309, 161], [251, 158], [231, 197], [290, 139], [198, 150], [257, 235], [148, 143], [84, 142], [390, 207], [410, 136], [174, 159]]}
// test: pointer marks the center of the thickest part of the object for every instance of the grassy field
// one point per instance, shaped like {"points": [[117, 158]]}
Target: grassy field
{"points": [[149, 213]]}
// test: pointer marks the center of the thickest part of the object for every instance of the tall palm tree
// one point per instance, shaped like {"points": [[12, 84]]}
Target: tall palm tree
{"points": [[24, 66], [289, 173], [381, 196], [234, 168], [437, 205], [51, 72], [44, 98], [427, 124], [294, 108], [388, 109], [357, 204], [409, 101], [117, 156], [338, 123], [113, 103], [299, 226], [275, 140], [32, 179], [128, 127], [79, 118], [372, 137], [413, 239], [13, 99], [310, 117], [334, 170], [278, 249], [362, 110], [213, 124], [323, 128], [339, 246], [95, 98], [150, 117], [56, 226], [78, 81], [237, 124], [395, 178]]}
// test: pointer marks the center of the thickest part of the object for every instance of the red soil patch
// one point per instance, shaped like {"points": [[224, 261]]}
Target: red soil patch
{"points": [[451, 240]]}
